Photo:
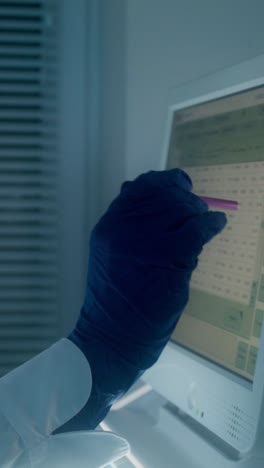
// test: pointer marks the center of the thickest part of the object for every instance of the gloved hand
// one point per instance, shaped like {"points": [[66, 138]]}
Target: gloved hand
{"points": [[142, 255]]}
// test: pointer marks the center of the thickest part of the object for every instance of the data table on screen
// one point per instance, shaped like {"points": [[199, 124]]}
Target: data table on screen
{"points": [[227, 264]]}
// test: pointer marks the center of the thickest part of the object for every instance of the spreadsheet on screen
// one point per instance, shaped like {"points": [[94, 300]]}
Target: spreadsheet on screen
{"points": [[220, 144]]}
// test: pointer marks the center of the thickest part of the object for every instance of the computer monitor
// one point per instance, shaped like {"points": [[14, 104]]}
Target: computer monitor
{"points": [[212, 369]]}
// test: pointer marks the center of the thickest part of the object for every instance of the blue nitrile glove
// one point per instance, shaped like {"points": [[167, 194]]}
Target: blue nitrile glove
{"points": [[142, 254]]}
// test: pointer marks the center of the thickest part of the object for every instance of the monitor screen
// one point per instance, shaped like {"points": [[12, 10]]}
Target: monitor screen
{"points": [[220, 144]]}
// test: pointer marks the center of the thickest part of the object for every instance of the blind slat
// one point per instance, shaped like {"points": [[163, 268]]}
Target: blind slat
{"points": [[30, 51], [24, 114], [27, 192], [33, 282], [28, 310], [19, 12], [27, 204], [26, 26], [29, 229], [15, 319], [38, 128], [22, 63], [27, 102], [25, 296], [44, 219], [25, 181], [23, 39], [23, 3], [9, 74], [26, 140], [26, 154], [17, 347], [21, 88]]}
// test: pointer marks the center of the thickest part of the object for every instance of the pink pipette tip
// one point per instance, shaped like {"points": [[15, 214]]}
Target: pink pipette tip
{"points": [[220, 203]]}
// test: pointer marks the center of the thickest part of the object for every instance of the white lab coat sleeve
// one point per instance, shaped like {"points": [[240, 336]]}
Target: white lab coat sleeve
{"points": [[37, 398]]}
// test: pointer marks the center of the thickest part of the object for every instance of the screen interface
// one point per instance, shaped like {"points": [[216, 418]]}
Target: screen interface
{"points": [[220, 144]]}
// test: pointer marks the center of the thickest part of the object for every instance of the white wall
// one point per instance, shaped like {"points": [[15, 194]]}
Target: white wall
{"points": [[170, 42], [112, 49]]}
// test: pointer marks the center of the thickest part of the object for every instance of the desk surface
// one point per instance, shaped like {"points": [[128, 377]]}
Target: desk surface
{"points": [[159, 439]]}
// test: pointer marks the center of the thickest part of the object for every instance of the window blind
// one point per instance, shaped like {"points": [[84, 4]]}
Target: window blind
{"points": [[29, 221]]}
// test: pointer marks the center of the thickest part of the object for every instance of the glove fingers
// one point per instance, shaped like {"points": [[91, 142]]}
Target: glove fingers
{"points": [[148, 183], [181, 205], [199, 230]]}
